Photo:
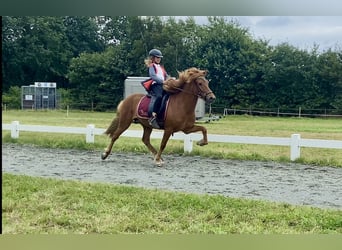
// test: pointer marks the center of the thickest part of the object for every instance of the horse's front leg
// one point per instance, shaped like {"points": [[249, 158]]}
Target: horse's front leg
{"points": [[146, 140], [157, 159], [197, 128]]}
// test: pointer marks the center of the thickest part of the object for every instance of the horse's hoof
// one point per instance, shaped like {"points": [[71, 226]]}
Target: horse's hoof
{"points": [[159, 163], [104, 155], [202, 143]]}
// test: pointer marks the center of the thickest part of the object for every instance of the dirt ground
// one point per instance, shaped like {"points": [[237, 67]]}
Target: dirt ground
{"points": [[291, 183]]}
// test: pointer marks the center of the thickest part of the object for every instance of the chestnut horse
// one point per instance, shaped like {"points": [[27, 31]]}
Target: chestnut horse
{"points": [[180, 114]]}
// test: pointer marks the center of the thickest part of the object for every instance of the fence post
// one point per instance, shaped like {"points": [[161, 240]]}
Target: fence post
{"points": [[15, 130], [90, 133], [187, 143], [295, 148]]}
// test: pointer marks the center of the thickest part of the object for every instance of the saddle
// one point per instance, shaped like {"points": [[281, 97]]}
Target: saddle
{"points": [[142, 109]]}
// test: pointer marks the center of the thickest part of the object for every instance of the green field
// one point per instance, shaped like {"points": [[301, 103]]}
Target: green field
{"points": [[310, 128], [38, 205]]}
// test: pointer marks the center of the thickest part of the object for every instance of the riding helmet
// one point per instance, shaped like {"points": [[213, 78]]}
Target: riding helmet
{"points": [[155, 52]]}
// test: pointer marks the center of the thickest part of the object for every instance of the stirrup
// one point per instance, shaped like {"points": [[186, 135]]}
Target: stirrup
{"points": [[153, 122]]}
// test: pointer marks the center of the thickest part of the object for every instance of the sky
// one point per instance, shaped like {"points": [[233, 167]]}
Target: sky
{"points": [[300, 31]]}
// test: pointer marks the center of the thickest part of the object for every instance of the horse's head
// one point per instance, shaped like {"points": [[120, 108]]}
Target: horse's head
{"points": [[191, 74], [200, 85], [203, 89]]}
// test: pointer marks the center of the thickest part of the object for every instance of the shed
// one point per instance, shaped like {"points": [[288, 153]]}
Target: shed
{"points": [[41, 95]]}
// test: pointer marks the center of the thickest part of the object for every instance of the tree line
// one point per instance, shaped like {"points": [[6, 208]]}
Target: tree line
{"points": [[90, 57]]}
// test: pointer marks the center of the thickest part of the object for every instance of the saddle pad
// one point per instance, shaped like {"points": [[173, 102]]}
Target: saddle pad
{"points": [[142, 109]]}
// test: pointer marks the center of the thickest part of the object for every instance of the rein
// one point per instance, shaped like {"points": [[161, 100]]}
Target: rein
{"points": [[185, 91]]}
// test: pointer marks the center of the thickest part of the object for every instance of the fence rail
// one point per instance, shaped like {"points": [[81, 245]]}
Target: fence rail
{"points": [[272, 112], [295, 142]]}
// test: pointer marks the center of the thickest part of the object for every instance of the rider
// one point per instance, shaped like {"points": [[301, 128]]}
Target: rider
{"points": [[158, 75]]}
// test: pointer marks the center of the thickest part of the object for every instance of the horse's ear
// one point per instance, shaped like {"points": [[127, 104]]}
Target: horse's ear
{"points": [[203, 72]]}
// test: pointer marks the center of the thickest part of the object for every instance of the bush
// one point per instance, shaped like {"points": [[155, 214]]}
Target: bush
{"points": [[12, 98]]}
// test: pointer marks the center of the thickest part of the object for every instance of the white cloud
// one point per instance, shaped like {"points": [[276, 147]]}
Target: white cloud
{"points": [[300, 31]]}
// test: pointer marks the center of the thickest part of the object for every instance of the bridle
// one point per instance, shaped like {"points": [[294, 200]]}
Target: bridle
{"points": [[202, 94]]}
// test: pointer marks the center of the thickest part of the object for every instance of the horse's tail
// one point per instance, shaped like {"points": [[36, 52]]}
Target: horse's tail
{"points": [[114, 124]]}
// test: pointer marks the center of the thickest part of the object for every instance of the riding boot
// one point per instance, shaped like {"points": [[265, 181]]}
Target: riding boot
{"points": [[153, 122], [151, 105]]}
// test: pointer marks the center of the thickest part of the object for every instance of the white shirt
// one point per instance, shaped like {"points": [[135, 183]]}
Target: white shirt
{"points": [[160, 72]]}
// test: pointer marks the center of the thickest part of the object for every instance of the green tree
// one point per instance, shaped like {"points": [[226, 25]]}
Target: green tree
{"points": [[129, 34], [290, 79], [233, 59], [34, 49], [90, 57], [40, 48], [83, 34], [178, 44], [329, 79], [113, 30], [12, 98], [97, 79]]}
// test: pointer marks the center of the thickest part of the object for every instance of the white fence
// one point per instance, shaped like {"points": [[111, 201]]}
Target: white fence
{"points": [[295, 142]]}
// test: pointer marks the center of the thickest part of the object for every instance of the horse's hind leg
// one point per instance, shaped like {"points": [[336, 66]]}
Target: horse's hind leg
{"points": [[114, 136], [157, 158], [107, 151]]}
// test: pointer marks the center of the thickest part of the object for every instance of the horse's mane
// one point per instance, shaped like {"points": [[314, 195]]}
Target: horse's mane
{"points": [[172, 85]]}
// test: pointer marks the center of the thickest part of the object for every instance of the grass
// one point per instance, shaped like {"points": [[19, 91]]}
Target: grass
{"points": [[39, 205], [313, 128]]}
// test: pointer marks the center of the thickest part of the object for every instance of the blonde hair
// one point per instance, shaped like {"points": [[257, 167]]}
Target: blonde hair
{"points": [[148, 62]]}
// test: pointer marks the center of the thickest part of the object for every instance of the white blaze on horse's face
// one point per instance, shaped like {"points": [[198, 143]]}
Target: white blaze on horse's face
{"points": [[204, 90]]}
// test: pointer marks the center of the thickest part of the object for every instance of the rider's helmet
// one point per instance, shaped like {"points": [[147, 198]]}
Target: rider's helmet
{"points": [[155, 52]]}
